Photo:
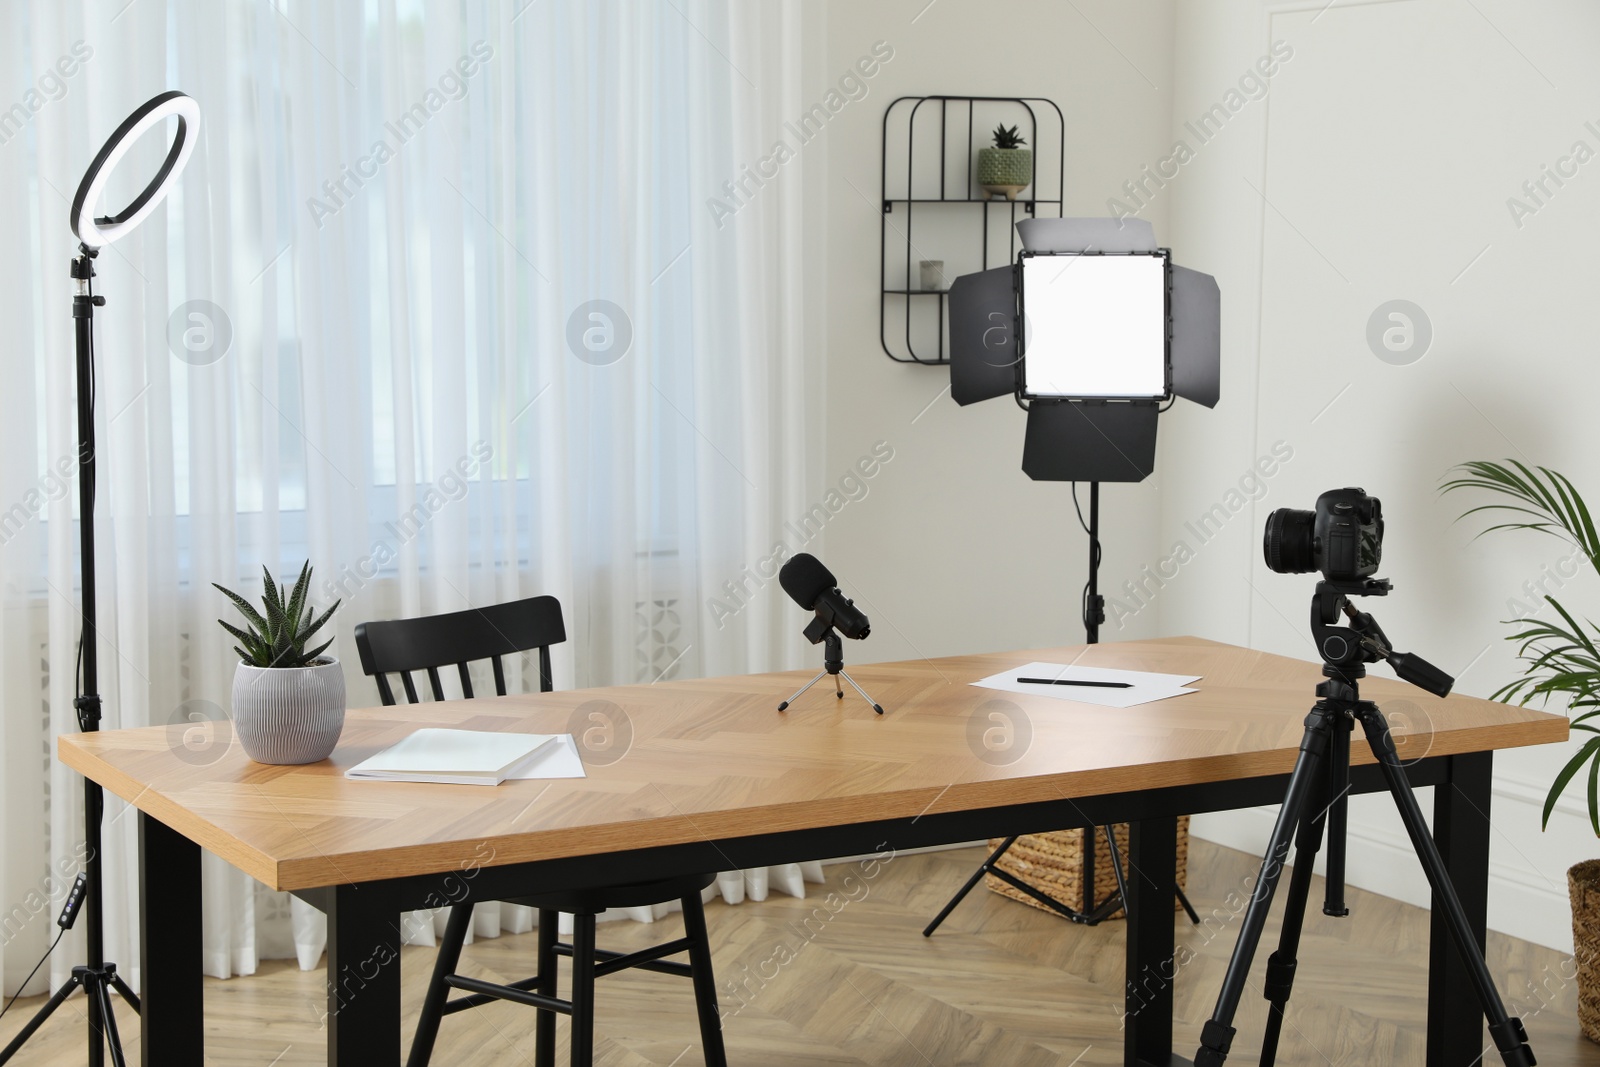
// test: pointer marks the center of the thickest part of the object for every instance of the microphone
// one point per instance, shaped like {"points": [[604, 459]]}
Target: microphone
{"points": [[814, 588]]}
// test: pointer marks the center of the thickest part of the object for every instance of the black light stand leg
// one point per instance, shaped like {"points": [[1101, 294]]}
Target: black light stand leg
{"points": [[1087, 863], [1217, 1035], [961, 894], [59, 998], [99, 988], [1116, 867], [1188, 908], [1509, 1036], [122, 990]]}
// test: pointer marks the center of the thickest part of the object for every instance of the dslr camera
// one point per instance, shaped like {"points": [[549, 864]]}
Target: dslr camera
{"points": [[1342, 538]]}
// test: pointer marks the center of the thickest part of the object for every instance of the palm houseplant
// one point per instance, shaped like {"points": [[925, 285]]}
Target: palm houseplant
{"points": [[1006, 168], [288, 696], [1560, 659]]}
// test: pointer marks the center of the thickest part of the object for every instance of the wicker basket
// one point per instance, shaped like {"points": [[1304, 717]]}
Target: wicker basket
{"points": [[1583, 883], [1053, 863]]}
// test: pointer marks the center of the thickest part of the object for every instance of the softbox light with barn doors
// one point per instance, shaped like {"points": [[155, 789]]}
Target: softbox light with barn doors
{"points": [[1094, 332]]}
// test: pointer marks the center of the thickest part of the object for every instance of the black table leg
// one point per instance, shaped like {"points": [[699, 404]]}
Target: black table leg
{"points": [[1152, 965], [1461, 830], [172, 1029], [363, 977]]}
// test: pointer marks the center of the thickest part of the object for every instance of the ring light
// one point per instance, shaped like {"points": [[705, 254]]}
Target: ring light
{"points": [[101, 231]]}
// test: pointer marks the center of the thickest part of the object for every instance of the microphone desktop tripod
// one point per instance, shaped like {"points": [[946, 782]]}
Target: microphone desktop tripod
{"points": [[832, 663], [1322, 777]]}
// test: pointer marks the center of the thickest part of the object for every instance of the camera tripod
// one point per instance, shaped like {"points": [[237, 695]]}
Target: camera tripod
{"points": [[1317, 796], [832, 663]]}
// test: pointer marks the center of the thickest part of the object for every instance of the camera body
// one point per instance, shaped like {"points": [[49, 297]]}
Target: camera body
{"points": [[1342, 537]]}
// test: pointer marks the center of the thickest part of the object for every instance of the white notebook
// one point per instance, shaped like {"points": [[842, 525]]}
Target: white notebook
{"points": [[455, 757]]}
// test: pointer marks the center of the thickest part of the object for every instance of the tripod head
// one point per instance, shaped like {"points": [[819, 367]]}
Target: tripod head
{"points": [[1347, 649]]}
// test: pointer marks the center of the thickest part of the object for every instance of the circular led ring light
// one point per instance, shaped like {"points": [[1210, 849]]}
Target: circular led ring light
{"points": [[98, 232]]}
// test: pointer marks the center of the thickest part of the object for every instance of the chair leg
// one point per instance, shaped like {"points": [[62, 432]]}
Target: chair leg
{"points": [[544, 1039], [449, 955], [705, 983], [583, 991]]}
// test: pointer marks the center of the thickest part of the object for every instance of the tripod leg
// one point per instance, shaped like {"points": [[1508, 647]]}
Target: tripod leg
{"points": [[877, 707], [56, 1000], [802, 689], [1509, 1036], [100, 989], [1338, 818], [1194, 917], [127, 994], [961, 894], [1279, 981], [1217, 1035], [1116, 866]]}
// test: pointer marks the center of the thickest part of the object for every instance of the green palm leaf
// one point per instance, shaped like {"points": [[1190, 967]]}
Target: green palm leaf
{"points": [[1559, 658]]}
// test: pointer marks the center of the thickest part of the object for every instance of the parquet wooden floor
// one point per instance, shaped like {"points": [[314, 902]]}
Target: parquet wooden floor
{"points": [[852, 983]]}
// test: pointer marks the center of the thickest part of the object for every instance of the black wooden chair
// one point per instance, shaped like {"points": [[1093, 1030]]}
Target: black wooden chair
{"points": [[460, 638]]}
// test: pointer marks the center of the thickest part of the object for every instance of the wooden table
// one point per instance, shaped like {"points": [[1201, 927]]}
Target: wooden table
{"points": [[714, 778]]}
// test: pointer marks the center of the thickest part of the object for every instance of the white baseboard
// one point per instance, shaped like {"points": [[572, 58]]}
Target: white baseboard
{"points": [[1524, 901]]}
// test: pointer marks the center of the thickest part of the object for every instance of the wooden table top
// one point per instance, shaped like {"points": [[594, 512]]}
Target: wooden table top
{"points": [[712, 759]]}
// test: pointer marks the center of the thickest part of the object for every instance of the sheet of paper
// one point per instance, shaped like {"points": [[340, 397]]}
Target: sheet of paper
{"points": [[1143, 686], [560, 760]]}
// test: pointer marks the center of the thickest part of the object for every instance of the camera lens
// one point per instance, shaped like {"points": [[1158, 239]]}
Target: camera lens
{"points": [[1289, 543]]}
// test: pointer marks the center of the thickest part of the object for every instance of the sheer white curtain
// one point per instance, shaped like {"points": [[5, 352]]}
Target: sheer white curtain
{"points": [[440, 305]]}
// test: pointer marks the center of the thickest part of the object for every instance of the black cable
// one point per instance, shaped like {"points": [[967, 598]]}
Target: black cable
{"points": [[31, 973], [1079, 510]]}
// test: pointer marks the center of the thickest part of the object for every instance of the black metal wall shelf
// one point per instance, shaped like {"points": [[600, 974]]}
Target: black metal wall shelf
{"points": [[902, 201]]}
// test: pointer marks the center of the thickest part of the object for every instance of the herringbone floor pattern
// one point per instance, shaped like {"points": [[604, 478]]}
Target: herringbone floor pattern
{"points": [[848, 980]]}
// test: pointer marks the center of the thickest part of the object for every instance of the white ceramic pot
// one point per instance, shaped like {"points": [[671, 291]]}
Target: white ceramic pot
{"points": [[289, 715]]}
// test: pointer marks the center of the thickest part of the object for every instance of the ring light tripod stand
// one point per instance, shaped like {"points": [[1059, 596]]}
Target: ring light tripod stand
{"points": [[97, 977]]}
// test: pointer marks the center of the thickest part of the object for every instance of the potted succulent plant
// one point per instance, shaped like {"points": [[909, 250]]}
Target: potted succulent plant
{"points": [[1007, 168], [288, 700], [1562, 659]]}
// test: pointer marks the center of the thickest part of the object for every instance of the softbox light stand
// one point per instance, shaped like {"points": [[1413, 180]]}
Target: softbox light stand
{"points": [[97, 977], [1079, 440], [1092, 912]]}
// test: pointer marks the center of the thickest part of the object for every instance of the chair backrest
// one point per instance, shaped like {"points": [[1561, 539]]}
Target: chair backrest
{"points": [[461, 637]]}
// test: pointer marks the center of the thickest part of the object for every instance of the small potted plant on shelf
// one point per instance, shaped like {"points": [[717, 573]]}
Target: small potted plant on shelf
{"points": [[1562, 659], [1007, 168], [288, 701]]}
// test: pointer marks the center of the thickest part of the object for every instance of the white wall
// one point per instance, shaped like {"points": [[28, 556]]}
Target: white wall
{"points": [[1375, 166], [954, 549], [1378, 167]]}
